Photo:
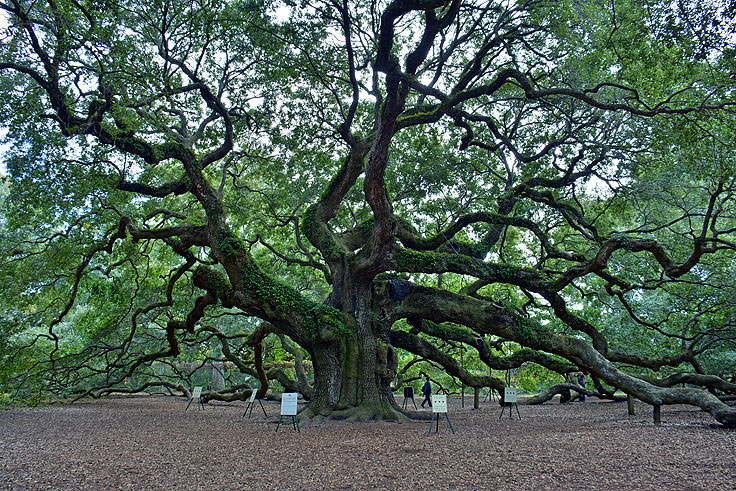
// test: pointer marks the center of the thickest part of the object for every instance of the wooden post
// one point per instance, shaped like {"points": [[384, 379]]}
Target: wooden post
{"points": [[476, 397], [630, 400], [657, 414], [462, 364]]}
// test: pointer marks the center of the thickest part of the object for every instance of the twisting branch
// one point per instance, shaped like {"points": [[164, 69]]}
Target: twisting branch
{"points": [[489, 318]]}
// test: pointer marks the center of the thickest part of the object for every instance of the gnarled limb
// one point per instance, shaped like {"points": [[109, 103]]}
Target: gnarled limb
{"points": [[443, 306], [415, 344], [448, 332], [552, 391], [702, 380]]}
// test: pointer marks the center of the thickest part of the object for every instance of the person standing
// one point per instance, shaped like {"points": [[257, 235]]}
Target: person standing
{"points": [[427, 391], [581, 383]]}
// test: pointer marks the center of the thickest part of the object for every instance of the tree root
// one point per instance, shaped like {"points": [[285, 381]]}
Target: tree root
{"points": [[354, 414]]}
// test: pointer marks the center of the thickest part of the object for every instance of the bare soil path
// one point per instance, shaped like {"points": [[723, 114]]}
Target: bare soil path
{"points": [[150, 442]]}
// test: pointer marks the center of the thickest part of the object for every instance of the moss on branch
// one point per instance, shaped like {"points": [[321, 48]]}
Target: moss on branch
{"points": [[410, 260], [229, 243], [321, 320]]}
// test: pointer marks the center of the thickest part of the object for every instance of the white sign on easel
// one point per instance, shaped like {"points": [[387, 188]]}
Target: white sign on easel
{"points": [[288, 408], [251, 404], [439, 406], [288, 404], [196, 395], [510, 400], [439, 403]]}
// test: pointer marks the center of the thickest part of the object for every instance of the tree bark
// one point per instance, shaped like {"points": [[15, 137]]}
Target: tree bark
{"points": [[630, 403], [441, 306], [353, 373]]}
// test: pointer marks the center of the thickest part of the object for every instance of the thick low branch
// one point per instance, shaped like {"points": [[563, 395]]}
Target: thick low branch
{"points": [[552, 391], [486, 317], [241, 392], [136, 390], [260, 295], [652, 362], [418, 346], [707, 381], [449, 332]]}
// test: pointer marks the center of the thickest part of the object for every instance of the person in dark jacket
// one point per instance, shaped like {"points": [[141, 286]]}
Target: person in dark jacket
{"points": [[581, 383], [427, 391]]}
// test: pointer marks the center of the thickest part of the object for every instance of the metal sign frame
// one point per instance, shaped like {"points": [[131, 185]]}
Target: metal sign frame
{"points": [[439, 406], [196, 394], [409, 394], [289, 408], [510, 400], [251, 404]]}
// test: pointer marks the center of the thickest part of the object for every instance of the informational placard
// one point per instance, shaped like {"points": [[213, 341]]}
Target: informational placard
{"points": [[439, 406], [408, 392], [288, 404], [196, 396], [251, 404], [509, 395], [439, 403]]}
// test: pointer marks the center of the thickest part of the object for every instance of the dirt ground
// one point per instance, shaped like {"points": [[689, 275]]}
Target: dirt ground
{"points": [[150, 442]]}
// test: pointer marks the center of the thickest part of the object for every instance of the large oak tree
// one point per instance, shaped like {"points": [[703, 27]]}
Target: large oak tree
{"points": [[369, 177]]}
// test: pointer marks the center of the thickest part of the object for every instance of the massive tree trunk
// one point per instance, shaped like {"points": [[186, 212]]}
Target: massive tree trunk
{"points": [[353, 373]]}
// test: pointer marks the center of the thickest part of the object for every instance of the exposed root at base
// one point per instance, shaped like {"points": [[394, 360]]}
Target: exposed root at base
{"points": [[357, 414]]}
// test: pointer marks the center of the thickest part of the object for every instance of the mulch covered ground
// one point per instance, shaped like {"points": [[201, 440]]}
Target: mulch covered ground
{"points": [[150, 442]]}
